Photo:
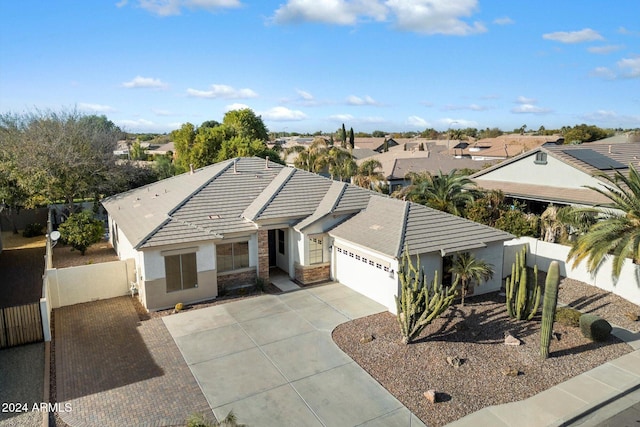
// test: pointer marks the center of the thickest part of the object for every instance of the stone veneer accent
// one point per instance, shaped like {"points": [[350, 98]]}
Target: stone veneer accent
{"points": [[263, 255], [245, 277], [308, 274]]}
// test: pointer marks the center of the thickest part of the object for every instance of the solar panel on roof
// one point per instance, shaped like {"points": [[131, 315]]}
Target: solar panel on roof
{"points": [[595, 159]]}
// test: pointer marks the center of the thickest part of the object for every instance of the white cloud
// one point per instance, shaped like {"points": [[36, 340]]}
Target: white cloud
{"points": [[341, 117], [611, 119], [505, 20], [144, 82], [602, 50], [422, 16], [222, 91], [630, 67], [339, 12], [356, 100], [458, 123], [603, 72], [236, 106], [417, 122], [435, 16], [283, 114], [174, 7], [472, 107], [96, 108], [164, 113], [304, 95], [586, 35], [528, 106], [144, 125]]}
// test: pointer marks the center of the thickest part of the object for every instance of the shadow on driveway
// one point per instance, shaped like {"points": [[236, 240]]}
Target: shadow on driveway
{"points": [[115, 370]]}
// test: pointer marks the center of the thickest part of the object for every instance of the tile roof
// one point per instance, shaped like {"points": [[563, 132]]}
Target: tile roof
{"points": [[231, 196], [544, 193], [386, 225]]}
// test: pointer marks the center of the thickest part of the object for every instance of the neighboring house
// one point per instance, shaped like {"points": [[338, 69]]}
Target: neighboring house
{"points": [[196, 235], [162, 150], [558, 174], [398, 162], [376, 144], [502, 147]]}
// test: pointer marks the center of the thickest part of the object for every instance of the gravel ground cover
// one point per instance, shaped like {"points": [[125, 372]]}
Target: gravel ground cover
{"points": [[475, 334]]}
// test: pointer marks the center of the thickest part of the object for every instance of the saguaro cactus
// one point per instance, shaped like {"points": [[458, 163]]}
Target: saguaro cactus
{"points": [[523, 292], [419, 303], [549, 307]]}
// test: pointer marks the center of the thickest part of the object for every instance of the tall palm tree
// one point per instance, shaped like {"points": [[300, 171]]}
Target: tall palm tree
{"points": [[368, 174], [445, 192], [618, 231], [469, 269]]}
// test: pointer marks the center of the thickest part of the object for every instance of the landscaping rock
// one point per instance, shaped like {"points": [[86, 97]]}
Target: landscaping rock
{"points": [[366, 338], [634, 317], [511, 340], [454, 361], [430, 395], [510, 372]]}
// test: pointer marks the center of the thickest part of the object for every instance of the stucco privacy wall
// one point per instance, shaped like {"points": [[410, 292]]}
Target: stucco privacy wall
{"points": [[74, 285], [542, 253]]}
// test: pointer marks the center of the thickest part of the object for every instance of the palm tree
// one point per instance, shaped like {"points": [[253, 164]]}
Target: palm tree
{"points": [[468, 269], [312, 158], [341, 163], [368, 174], [445, 192], [618, 231]]}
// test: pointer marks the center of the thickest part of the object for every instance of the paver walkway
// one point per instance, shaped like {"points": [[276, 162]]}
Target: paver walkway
{"points": [[271, 360], [117, 371]]}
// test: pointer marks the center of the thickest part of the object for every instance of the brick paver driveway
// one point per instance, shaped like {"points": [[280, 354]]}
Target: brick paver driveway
{"points": [[114, 370]]}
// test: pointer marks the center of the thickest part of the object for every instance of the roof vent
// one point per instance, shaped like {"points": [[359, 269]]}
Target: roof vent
{"points": [[214, 216], [235, 169], [190, 168], [609, 149], [266, 162]]}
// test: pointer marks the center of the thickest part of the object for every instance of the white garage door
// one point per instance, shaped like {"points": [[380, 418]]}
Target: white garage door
{"points": [[368, 276]]}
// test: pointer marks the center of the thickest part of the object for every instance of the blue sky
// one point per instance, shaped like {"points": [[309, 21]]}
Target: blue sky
{"points": [[309, 65]]}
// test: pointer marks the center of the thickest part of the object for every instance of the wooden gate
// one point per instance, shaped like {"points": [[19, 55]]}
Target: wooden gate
{"points": [[21, 324]]}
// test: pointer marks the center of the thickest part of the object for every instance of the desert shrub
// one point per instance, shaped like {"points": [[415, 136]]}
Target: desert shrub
{"points": [[32, 230], [594, 327], [568, 316], [179, 306], [198, 420]]}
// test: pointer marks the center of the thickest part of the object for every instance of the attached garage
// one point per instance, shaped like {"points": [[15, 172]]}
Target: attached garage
{"points": [[369, 274]]}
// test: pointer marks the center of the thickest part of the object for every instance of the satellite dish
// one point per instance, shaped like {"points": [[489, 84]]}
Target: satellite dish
{"points": [[55, 235]]}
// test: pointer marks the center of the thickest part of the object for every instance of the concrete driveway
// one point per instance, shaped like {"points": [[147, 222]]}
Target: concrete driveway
{"points": [[271, 360]]}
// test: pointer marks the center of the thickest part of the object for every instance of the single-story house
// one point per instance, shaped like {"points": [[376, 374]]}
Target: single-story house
{"points": [[503, 146], [196, 235], [373, 143], [558, 174]]}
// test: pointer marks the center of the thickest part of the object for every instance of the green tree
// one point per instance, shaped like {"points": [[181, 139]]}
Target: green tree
{"points": [[244, 147], [445, 192], [470, 269], [378, 134], [486, 209], [183, 140], [518, 223], [352, 141], [81, 230], [340, 163], [617, 233], [59, 155], [312, 158], [138, 152], [163, 167], [584, 133], [343, 137], [246, 124], [369, 174]]}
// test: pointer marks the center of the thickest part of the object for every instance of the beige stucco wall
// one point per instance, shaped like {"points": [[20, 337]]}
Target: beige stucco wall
{"points": [[157, 297], [554, 174], [74, 285]]}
